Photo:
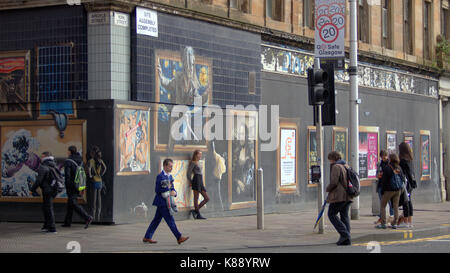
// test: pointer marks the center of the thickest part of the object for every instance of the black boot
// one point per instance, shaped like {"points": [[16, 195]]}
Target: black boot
{"points": [[194, 214], [200, 217]]}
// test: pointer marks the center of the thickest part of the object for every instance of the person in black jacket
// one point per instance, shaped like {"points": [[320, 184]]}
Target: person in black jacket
{"points": [[390, 193], [70, 167], [43, 181], [406, 158]]}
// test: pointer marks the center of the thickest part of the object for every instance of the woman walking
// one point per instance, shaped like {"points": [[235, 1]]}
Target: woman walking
{"points": [[391, 183], [406, 158], [195, 177]]}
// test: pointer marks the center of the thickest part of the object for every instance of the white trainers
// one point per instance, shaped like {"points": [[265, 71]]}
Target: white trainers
{"points": [[403, 225]]}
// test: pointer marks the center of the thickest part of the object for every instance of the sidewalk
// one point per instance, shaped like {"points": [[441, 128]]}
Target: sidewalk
{"points": [[226, 234]]}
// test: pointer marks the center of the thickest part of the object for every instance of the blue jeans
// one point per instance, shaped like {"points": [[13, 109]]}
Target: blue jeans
{"points": [[391, 209], [162, 212]]}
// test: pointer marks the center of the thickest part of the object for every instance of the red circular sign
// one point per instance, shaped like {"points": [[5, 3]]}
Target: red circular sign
{"points": [[329, 33]]}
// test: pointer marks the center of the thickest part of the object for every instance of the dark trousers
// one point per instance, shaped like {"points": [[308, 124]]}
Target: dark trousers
{"points": [[341, 225], [162, 212], [72, 204], [47, 209], [407, 208]]}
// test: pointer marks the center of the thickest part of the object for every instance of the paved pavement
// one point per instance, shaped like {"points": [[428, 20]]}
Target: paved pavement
{"points": [[219, 235]]}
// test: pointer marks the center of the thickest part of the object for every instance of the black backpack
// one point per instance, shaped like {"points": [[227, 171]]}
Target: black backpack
{"points": [[353, 185], [56, 181]]}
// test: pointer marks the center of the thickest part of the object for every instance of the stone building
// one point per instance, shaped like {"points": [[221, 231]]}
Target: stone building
{"points": [[118, 68]]}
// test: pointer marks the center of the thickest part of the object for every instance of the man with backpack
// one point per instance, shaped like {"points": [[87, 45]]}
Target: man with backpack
{"points": [[44, 181], [339, 198], [74, 173]]}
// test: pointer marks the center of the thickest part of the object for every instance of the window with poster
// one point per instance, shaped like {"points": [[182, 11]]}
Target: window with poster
{"points": [[287, 156], [312, 157], [368, 152], [391, 142], [425, 155], [340, 141]]}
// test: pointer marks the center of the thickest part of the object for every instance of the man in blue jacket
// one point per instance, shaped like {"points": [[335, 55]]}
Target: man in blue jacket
{"points": [[162, 210]]}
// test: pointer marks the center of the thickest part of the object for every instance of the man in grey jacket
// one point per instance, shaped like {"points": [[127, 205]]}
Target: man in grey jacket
{"points": [[338, 198]]}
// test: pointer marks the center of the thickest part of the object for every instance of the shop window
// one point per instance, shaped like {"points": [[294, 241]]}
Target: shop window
{"points": [[408, 26], [241, 5], [274, 9]]}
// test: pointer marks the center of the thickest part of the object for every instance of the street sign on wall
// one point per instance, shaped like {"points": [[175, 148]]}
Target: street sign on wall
{"points": [[330, 29]]}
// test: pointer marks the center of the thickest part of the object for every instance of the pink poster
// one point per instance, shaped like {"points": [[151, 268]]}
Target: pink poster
{"points": [[372, 154]]}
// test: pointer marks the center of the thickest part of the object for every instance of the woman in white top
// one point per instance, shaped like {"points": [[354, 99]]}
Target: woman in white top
{"points": [[195, 177]]}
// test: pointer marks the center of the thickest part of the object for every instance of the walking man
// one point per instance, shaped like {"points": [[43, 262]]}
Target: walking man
{"points": [[338, 198], [70, 168], [162, 211], [44, 180]]}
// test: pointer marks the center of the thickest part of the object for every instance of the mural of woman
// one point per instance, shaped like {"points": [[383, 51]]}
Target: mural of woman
{"points": [[195, 177], [96, 170]]}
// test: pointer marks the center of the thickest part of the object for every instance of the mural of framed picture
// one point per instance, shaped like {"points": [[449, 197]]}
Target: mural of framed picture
{"points": [[15, 84], [408, 137], [391, 142], [182, 78], [67, 107], [312, 157], [242, 159], [287, 157], [340, 141], [425, 155], [22, 143], [185, 196], [368, 152], [132, 140]]}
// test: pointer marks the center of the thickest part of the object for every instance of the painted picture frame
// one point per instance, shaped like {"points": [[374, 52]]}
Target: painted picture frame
{"points": [[22, 143], [340, 141], [242, 159], [391, 142], [425, 155], [369, 149], [185, 196], [287, 156], [15, 84], [132, 140], [178, 84]]}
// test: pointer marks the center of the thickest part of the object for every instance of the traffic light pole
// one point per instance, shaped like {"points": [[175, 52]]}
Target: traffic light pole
{"points": [[354, 100], [319, 155]]}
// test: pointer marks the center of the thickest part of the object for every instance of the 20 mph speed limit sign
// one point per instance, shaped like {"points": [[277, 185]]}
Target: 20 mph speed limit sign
{"points": [[330, 29]]}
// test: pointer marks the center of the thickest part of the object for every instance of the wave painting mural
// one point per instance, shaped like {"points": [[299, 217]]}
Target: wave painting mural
{"points": [[22, 144]]}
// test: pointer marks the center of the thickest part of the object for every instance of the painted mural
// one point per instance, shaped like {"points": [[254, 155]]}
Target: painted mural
{"points": [[185, 196], [134, 140], [21, 147], [242, 152], [14, 83], [181, 78]]}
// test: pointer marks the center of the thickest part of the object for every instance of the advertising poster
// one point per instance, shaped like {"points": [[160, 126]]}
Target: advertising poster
{"points": [[409, 139], [391, 143], [363, 155], [288, 157], [312, 151], [372, 154], [425, 155], [340, 142]]}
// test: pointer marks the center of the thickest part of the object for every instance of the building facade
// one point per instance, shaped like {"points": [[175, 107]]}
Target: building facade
{"points": [[121, 72]]}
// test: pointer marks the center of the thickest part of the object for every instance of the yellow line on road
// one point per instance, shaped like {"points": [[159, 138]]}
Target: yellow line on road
{"points": [[408, 241]]}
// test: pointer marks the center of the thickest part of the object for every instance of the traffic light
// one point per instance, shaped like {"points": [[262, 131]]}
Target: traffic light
{"points": [[317, 86], [329, 107]]}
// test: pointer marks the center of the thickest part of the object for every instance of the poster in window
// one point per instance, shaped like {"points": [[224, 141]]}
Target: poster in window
{"points": [[368, 152], [391, 142], [425, 155], [288, 157], [340, 141], [312, 151]]}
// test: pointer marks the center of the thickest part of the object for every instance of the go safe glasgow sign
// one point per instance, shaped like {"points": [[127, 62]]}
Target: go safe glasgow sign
{"points": [[330, 29]]}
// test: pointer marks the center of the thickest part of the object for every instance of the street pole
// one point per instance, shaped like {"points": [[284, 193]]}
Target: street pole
{"points": [[319, 155], [354, 100], [260, 200]]}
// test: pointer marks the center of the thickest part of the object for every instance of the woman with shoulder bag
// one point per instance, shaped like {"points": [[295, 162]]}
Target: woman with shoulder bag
{"points": [[406, 158], [391, 183], [96, 169]]}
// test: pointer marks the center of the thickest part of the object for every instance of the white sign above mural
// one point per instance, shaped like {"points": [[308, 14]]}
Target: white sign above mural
{"points": [[146, 22], [330, 29]]}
